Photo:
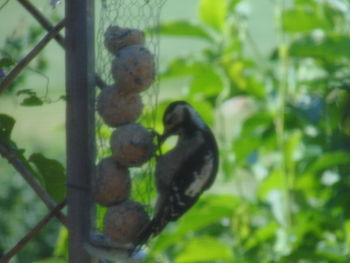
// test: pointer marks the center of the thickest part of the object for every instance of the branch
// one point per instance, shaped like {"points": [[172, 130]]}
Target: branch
{"points": [[27, 59], [17, 163], [48, 26], [41, 19], [32, 233], [4, 4]]}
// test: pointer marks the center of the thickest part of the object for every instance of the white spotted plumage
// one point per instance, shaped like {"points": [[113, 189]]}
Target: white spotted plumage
{"points": [[186, 171], [201, 177]]}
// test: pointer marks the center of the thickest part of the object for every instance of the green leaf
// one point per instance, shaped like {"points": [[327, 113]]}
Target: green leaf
{"points": [[209, 210], [213, 13], [6, 126], [271, 182], [52, 260], [205, 249], [245, 146], [291, 146], [206, 81], [257, 123], [63, 97], [53, 174], [179, 67], [28, 92], [302, 21], [61, 243], [329, 160], [32, 101], [332, 252], [6, 62], [233, 4], [100, 214], [330, 48], [347, 231], [346, 125], [242, 80], [262, 235], [204, 109], [184, 29]]}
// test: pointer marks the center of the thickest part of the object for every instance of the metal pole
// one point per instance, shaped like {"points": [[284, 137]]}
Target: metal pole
{"points": [[80, 122]]}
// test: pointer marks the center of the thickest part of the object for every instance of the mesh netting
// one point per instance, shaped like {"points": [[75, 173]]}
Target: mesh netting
{"points": [[142, 15]]}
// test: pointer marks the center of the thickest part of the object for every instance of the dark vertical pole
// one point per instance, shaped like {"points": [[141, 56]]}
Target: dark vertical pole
{"points": [[80, 122]]}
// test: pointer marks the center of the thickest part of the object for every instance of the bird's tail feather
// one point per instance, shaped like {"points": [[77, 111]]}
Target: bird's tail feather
{"points": [[153, 228]]}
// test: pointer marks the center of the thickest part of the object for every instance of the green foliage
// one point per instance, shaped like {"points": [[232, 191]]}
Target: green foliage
{"points": [[303, 20], [183, 29], [282, 122], [6, 126], [205, 249], [31, 98], [6, 62], [213, 13], [15, 48], [17, 219], [53, 174], [20, 208], [330, 48]]}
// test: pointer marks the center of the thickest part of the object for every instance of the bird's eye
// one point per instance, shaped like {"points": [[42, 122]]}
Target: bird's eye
{"points": [[169, 119]]}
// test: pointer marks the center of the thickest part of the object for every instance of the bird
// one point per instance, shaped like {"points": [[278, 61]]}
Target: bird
{"points": [[186, 171]]}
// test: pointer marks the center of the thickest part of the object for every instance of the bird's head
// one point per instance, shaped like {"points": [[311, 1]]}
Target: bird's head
{"points": [[181, 119]]}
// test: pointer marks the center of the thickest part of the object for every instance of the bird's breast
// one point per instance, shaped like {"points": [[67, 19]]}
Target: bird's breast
{"points": [[169, 164]]}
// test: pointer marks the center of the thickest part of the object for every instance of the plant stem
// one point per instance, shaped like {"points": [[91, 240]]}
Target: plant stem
{"points": [[11, 156], [280, 118], [32, 233]]}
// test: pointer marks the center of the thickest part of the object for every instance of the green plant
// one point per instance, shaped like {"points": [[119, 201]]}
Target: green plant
{"points": [[282, 123]]}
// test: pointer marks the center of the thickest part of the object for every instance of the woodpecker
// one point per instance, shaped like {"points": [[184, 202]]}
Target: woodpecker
{"points": [[186, 171]]}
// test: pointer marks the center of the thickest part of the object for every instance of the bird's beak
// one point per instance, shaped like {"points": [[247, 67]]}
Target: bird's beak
{"points": [[161, 139], [164, 136]]}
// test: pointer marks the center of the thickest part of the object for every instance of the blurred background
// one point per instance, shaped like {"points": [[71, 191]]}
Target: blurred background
{"points": [[270, 77]]}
